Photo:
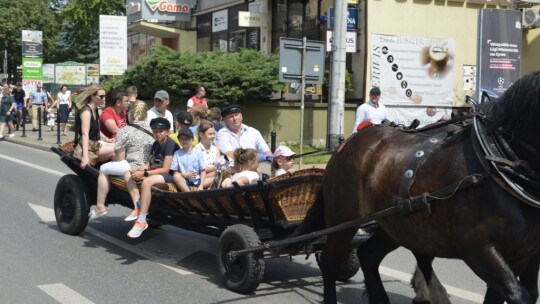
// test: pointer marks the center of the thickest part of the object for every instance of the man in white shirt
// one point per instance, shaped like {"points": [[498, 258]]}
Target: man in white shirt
{"points": [[237, 135], [371, 111], [161, 102]]}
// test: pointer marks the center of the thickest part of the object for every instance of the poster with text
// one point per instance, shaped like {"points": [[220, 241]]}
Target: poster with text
{"points": [[413, 71], [112, 45]]}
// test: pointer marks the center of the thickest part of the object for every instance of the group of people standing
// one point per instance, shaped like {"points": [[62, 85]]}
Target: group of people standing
{"points": [[143, 147], [15, 100]]}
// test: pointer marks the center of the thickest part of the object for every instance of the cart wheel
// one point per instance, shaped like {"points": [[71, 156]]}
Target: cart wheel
{"points": [[349, 267], [70, 205], [244, 274]]}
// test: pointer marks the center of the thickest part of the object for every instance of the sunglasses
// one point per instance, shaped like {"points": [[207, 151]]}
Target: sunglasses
{"points": [[102, 96]]}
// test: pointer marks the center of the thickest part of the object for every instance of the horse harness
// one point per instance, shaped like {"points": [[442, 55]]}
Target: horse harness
{"points": [[407, 203], [507, 170]]}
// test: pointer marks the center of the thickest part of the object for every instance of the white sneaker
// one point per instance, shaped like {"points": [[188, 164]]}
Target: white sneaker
{"points": [[137, 229], [12, 135]]}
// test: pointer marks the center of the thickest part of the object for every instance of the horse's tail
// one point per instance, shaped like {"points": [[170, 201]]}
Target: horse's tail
{"points": [[314, 219]]}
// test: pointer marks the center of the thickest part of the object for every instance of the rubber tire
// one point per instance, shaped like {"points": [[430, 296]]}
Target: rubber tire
{"points": [[71, 205], [349, 268], [245, 273]]}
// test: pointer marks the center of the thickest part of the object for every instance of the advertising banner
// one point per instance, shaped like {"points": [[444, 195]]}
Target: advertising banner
{"points": [[499, 50], [32, 68], [32, 43], [112, 45], [48, 73], [352, 19], [413, 71], [220, 21], [70, 72], [92, 73], [350, 41]]}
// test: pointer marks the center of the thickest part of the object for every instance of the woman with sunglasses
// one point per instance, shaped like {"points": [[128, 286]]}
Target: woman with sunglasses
{"points": [[91, 146]]}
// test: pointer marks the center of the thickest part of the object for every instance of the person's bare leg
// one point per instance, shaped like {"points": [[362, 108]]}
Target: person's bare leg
{"points": [[180, 182], [103, 187]]}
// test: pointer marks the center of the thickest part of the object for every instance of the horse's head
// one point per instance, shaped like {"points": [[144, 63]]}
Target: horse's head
{"points": [[517, 114]]}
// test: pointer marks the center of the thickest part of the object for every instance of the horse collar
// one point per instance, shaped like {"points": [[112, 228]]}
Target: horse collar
{"points": [[513, 174]]}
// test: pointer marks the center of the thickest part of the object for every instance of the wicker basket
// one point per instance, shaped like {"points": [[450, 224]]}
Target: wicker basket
{"points": [[292, 202]]}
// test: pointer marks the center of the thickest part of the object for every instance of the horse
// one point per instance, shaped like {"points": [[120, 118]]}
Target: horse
{"points": [[469, 214]]}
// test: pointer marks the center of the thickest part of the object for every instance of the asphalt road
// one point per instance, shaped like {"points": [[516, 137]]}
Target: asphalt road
{"points": [[168, 265]]}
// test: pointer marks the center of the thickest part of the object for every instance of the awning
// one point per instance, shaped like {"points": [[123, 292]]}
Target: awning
{"points": [[154, 29]]}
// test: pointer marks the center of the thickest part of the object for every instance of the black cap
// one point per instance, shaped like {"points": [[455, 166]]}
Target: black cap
{"points": [[375, 91], [185, 132], [184, 117], [230, 109], [160, 123]]}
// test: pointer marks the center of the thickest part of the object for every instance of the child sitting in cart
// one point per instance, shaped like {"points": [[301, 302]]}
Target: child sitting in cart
{"points": [[210, 152], [283, 160], [155, 172], [246, 166], [188, 164]]}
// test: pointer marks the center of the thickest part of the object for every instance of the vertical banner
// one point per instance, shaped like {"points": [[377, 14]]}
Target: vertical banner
{"points": [[32, 62], [499, 50], [32, 43], [92, 73], [48, 73], [112, 45]]}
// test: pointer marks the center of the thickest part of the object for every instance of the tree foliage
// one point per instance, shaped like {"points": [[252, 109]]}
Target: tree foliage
{"points": [[228, 77], [25, 15], [79, 37]]}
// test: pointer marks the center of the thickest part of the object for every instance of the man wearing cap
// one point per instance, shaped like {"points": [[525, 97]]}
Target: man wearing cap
{"points": [[161, 102], [183, 121], [237, 135], [371, 111]]}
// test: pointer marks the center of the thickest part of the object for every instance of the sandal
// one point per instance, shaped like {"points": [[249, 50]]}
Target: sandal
{"points": [[95, 215]]}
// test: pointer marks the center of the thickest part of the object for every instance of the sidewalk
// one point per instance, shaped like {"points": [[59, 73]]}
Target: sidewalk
{"points": [[49, 139]]}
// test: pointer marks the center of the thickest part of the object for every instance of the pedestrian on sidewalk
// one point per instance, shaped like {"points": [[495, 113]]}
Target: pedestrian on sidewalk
{"points": [[39, 102], [197, 99], [7, 108], [19, 94], [63, 102]]}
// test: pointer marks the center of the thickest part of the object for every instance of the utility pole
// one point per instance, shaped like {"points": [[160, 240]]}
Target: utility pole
{"points": [[336, 105]]}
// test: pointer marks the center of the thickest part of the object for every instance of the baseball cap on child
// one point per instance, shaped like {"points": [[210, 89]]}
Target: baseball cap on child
{"points": [[283, 151]]}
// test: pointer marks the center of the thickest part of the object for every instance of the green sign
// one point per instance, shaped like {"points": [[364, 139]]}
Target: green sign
{"points": [[32, 68]]}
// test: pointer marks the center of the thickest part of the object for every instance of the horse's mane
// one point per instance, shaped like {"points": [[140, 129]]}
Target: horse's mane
{"points": [[518, 109]]}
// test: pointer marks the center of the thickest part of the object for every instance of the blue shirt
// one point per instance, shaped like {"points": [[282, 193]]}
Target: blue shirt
{"points": [[189, 161], [39, 98]]}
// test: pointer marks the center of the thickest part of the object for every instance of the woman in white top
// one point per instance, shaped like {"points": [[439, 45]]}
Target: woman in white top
{"points": [[246, 166], [210, 152], [63, 102]]}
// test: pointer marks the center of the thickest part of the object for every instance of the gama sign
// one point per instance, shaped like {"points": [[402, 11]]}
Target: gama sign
{"points": [[165, 6]]}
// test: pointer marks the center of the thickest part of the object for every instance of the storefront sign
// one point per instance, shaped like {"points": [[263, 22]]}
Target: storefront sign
{"points": [[160, 10], [352, 19], [248, 19], [32, 68], [220, 21], [48, 73], [413, 71], [112, 45], [350, 41]]}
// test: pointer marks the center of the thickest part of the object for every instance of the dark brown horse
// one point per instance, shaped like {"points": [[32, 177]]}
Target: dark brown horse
{"points": [[486, 226]]}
